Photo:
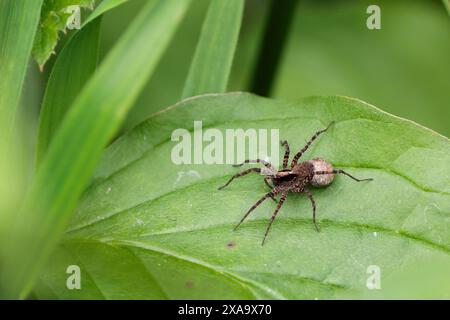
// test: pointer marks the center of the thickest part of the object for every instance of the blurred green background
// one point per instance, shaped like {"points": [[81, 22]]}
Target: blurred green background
{"points": [[404, 68]]}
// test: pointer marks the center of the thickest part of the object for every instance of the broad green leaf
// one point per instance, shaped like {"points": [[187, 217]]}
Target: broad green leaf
{"points": [[75, 64], [18, 24], [423, 280], [143, 217], [93, 119], [213, 57], [54, 18]]}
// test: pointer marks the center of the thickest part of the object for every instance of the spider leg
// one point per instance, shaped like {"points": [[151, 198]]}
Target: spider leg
{"points": [[335, 171], [266, 181], [285, 144], [270, 194], [313, 203], [264, 162], [280, 203], [240, 174], [303, 150]]}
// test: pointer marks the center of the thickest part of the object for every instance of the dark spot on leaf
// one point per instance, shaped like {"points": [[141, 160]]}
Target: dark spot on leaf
{"points": [[231, 245], [189, 284]]}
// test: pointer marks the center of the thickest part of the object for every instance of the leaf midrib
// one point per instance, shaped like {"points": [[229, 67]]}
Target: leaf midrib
{"points": [[350, 225], [207, 181], [212, 125]]}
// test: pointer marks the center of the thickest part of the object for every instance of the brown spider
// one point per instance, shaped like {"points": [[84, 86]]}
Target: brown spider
{"points": [[316, 172]]}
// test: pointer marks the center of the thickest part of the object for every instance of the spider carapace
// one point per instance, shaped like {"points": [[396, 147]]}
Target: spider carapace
{"points": [[294, 178]]}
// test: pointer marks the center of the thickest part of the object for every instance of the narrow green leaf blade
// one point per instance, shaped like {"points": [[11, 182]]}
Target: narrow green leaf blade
{"points": [[102, 8], [93, 119], [213, 57], [18, 23], [178, 226], [74, 66]]}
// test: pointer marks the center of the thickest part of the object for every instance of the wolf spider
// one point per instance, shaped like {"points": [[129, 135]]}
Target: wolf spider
{"points": [[316, 172]]}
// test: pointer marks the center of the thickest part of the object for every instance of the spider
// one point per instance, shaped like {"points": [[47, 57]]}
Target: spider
{"points": [[296, 178]]}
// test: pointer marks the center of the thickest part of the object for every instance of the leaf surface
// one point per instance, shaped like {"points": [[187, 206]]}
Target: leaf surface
{"points": [[147, 228], [74, 65], [18, 23]]}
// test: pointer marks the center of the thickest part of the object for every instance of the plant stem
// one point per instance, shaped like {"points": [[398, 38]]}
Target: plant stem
{"points": [[274, 39]]}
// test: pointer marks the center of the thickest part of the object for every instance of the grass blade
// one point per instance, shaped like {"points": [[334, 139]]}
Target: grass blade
{"points": [[91, 122], [103, 7], [213, 57], [276, 33], [73, 67], [18, 23]]}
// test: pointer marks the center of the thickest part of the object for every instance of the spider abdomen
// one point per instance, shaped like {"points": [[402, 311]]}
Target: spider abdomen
{"points": [[321, 180]]}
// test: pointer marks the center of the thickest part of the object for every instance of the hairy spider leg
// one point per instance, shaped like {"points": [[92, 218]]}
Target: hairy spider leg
{"points": [[287, 151], [303, 150], [245, 172], [264, 162], [240, 174], [336, 171], [280, 203], [270, 194], [266, 181], [313, 203]]}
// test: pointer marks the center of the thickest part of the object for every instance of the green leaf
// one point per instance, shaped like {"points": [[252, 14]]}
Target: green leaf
{"points": [[54, 16], [143, 217], [213, 57], [74, 66], [427, 279], [104, 7], [93, 119], [18, 24]]}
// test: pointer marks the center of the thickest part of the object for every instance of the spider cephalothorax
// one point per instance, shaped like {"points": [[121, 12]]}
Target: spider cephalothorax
{"points": [[296, 178]]}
